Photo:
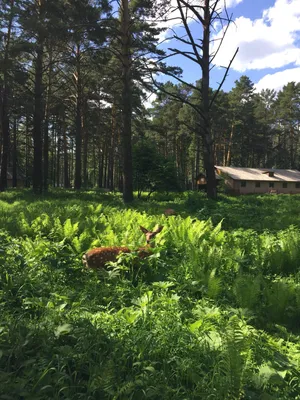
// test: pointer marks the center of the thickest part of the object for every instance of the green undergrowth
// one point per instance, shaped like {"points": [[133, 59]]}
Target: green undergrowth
{"points": [[213, 313]]}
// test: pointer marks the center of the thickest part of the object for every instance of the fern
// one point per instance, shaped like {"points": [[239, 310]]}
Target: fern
{"points": [[234, 361], [279, 296], [247, 289], [69, 229]]}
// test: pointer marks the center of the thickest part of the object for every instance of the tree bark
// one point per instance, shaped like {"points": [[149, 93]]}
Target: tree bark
{"points": [[197, 158], [78, 136], [58, 162], [66, 157], [27, 152], [14, 155], [228, 157], [105, 156], [100, 173], [53, 158], [85, 151], [46, 154], [112, 149], [94, 166], [4, 104], [209, 162], [46, 125], [38, 118], [126, 103]]}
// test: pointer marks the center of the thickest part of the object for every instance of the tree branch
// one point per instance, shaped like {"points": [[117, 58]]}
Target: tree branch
{"points": [[223, 80], [178, 98], [189, 32], [185, 54]]}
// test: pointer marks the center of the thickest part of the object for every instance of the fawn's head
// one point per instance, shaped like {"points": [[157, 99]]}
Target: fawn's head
{"points": [[151, 235]]}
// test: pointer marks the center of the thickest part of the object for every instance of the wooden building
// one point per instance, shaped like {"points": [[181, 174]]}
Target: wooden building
{"points": [[260, 180], [201, 181]]}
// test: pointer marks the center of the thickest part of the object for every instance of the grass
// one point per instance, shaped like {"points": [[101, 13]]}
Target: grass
{"points": [[213, 314]]}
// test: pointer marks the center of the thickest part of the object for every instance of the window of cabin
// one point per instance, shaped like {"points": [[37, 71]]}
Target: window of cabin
{"points": [[257, 184], [284, 185], [243, 183], [297, 185], [271, 184]]}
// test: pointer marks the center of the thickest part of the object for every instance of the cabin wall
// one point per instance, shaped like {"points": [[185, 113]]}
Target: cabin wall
{"points": [[264, 187], [232, 186]]}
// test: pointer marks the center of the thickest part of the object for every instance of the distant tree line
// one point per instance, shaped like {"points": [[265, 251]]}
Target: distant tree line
{"points": [[249, 129], [74, 76]]}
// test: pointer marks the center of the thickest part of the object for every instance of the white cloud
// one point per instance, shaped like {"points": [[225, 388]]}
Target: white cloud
{"points": [[232, 3], [267, 42], [150, 99], [278, 80]]}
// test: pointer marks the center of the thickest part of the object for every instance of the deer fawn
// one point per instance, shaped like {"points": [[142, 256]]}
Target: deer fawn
{"points": [[97, 258], [169, 211]]}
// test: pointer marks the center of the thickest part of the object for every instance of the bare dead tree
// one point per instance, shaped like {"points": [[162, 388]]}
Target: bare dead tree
{"points": [[198, 50]]}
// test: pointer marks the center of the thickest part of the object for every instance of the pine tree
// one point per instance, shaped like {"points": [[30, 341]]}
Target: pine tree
{"points": [[7, 13], [137, 38]]}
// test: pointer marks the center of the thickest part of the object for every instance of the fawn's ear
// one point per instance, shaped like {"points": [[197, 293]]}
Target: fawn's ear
{"points": [[159, 229], [144, 230]]}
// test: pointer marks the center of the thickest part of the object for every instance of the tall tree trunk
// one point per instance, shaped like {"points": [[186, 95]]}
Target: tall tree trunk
{"points": [[111, 149], [78, 137], [46, 153], [193, 175], [85, 149], [228, 156], [105, 155], [27, 152], [94, 166], [1, 91], [51, 160], [119, 163], [209, 162], [126, 102], [38, 118], [58, 161], [4, 104], [292, 153], [242, 154], [72, 168], [46, 125], [166, 143], [100, 173], [197, 160], [54, 151], [14, 155], [5, 141], [66, 159]]}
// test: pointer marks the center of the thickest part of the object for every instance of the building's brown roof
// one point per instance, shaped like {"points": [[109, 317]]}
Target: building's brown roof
{"points": [[259, 174]]}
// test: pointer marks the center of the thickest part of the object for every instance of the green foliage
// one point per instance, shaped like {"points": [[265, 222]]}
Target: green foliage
{"points": [[152, 171], [212, 313], [246, 289]]}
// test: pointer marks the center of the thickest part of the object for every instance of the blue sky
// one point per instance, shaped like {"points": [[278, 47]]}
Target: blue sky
{"points": [[268, 35]]}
